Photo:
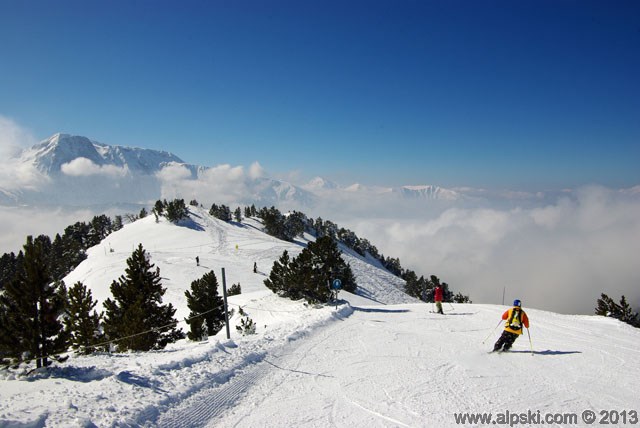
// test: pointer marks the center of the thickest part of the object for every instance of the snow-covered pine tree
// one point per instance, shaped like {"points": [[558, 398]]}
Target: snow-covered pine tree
{"points": [[137, 308], [206, 305], [82, 325]]}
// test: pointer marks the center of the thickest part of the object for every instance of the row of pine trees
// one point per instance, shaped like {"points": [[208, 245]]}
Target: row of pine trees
{"points": [[41, 319]]}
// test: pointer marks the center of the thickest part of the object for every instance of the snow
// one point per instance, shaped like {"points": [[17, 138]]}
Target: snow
{"points": [[377, 359]]}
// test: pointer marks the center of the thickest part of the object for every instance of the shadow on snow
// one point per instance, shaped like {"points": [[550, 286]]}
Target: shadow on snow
{"points": [[547, 352]]}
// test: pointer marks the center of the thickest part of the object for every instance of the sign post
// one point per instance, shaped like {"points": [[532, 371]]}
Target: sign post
{"points": [[336, 286]]}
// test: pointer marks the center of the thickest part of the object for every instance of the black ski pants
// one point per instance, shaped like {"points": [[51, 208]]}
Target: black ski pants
{"points": [[506, 341]]}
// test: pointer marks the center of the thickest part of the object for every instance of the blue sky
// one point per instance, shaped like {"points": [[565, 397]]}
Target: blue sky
{"points": [[528, 95]]}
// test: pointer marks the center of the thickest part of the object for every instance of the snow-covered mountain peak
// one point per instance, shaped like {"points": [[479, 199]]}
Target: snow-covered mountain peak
{"points": [[51, 154], [76, 170], [427, 192], [319, 183]]}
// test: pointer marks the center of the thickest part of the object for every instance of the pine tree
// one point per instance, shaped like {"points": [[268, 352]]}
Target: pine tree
{"points": [[82, 325], [607, 307], [176, 210], [622, 311], [310, 274], [273, 221], [206, 305], [9, 264], [627, 314], [461, 298], [137, 308], [278, 281], [238, 215], [412, 286], [221, 212], [294, 225], [31, 307], [117, 223]]}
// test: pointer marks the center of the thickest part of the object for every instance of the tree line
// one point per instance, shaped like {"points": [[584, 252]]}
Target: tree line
{"points": [[291, 225], [607, 307]]}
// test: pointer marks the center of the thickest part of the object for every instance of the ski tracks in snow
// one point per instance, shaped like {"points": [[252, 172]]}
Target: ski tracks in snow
{"points": [[210, 403], [399, 366]]}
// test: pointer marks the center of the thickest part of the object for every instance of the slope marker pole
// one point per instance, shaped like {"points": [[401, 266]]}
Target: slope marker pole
{"points": [[226, 312]]}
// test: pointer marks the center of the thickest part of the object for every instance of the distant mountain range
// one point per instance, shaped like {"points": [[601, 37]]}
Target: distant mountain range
{"points": [[75, 170]]}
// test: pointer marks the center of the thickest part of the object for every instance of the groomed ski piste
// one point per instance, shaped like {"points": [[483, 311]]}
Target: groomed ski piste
{"points": [[377, 359]]}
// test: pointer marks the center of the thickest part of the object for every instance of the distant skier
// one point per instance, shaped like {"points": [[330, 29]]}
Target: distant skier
{"points": [[515, 318], [255, 267], [197, 261], [437, 297]]}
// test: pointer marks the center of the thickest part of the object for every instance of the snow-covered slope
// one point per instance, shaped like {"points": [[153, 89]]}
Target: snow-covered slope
{"points": [[218, 245], [377, 359]]}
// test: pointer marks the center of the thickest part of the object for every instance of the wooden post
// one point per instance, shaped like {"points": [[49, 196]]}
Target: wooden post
{"points": [[226, 312]]}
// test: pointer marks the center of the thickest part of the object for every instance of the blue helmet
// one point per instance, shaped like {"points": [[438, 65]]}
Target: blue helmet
{"points": [[517, 303]]}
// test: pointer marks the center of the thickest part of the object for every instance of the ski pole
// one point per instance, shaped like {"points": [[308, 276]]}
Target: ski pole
{"points": [[530, 343], [451, 306], [494, 329]]}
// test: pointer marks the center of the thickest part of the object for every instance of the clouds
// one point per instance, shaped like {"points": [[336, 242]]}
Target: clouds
{"points": [[223, 184], [19, 222], [13, 138], [83, 167], [13, 173], [559, 257], [256, 171]]}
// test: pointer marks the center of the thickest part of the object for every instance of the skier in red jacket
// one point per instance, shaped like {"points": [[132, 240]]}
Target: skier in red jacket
{"points": [[515, 318], [437, 297]]}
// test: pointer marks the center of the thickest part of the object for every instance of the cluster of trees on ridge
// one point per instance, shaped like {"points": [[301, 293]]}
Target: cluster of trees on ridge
{"points": [[40, 318], [622, 311]]}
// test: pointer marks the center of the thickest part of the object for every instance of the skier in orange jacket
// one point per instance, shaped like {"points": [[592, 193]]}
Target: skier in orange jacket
{"points": [[515, 318]]}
